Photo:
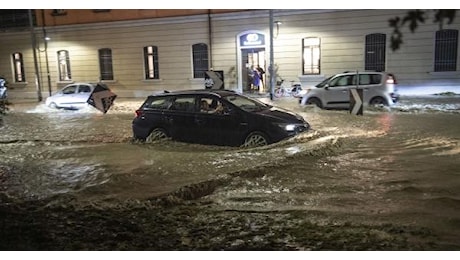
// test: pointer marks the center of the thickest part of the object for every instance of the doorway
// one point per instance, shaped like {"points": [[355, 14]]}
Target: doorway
{"points": [[251, 60]]}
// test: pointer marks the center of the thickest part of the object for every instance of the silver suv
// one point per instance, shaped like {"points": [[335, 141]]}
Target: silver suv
{"points": [[379, 88]]}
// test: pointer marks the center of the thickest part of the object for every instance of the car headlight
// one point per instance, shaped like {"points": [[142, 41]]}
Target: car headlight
{"points": [[288, 127], [303, 92]]}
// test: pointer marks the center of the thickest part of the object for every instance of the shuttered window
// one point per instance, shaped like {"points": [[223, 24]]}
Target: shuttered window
{"points": [[445, 54], [200, 59], [105, 64], [375, 51]]}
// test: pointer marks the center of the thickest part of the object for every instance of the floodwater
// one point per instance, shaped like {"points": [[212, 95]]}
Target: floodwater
{"points": [[395, 166]]}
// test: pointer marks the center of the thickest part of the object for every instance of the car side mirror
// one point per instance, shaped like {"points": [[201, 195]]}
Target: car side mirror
{"points": [[326, 87]]}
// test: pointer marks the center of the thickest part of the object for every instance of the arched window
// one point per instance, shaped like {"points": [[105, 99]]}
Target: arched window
{"points": [[151, 62], [445, 53], [105, 64], [200, 59], [375, 52]]}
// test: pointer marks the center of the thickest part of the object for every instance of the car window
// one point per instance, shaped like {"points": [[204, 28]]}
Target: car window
{"points": [[341, 81], [157, 103], [212, 106], [246, 104], [324, 82], [84, 89], [69, 90], [183, 104], [375, 79]]}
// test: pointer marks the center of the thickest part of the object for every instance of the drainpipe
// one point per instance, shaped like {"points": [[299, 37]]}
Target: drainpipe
{"points": [[272, 65], [210, 38], [45, 37], [34, 50]]}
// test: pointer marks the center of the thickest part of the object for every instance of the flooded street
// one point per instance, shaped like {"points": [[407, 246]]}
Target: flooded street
{"points": [[387, 180]]}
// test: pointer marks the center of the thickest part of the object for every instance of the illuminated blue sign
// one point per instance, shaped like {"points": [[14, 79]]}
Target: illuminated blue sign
{"points": [[252, 39]]}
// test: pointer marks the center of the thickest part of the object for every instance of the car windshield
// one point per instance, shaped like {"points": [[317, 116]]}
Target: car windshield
{"points": [[324, 82], [246, 104]]}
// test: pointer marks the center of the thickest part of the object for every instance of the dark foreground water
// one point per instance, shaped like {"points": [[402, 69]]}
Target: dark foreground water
{"points": [[387, 180]]}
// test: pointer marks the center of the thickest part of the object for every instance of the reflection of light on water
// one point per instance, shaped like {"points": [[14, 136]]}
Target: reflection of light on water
{"points": [[434, 144], [293, 150], [42, 108], [385, 122], [65, 177]]}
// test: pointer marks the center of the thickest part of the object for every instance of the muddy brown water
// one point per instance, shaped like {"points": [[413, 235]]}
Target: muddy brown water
{"points": [[390, 176]]}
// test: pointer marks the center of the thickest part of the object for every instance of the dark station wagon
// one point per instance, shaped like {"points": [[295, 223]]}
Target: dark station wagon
{"points": [[215, 117]]}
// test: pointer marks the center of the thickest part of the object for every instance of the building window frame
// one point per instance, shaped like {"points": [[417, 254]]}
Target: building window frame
{"points": [[445, 50], [375, 52], [64, 65], [106, 64], [311, 56], [200, 59], [18, 67], [151, 65]]}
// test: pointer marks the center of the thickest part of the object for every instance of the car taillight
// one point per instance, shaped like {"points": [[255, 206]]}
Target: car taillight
{"points": [[391, 79], [138, 113]]}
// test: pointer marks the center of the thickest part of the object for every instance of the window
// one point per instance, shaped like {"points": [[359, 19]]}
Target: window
{"points": [[18, 65], [200, 60], [158, 103], [151, 62], [64, 65], [311, 55], [69, 90], [105, 64], [84, 89], [347, 80], [186, 104], [445, 53], [375, 51]]}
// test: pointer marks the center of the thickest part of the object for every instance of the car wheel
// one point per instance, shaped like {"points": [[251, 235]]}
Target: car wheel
{"points": [[156, 134], [314, 101], [378, 101], [255, 139], [52, 105]]}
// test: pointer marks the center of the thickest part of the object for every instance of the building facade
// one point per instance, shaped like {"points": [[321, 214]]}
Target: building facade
{"points": [[138, 52]]}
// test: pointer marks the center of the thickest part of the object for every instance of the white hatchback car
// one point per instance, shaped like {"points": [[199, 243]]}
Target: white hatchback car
{"points": [[379, 88], [73, 96]]}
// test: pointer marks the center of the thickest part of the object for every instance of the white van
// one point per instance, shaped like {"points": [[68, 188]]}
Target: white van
{"points": [[379, 88]]}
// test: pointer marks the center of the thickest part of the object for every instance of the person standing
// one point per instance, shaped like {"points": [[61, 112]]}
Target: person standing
{"points": [[261, 77], [256, 79]]}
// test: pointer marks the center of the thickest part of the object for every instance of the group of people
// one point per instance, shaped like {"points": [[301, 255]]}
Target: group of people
{"points": [[256, 78], [215, 109]]}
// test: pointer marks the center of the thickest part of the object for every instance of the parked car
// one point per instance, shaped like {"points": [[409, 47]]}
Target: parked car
{"points": [[73, 96], [216, 117], [3, 89], [379, 88]]}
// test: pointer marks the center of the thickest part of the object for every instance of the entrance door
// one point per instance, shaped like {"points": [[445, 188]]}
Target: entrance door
{"points": [[251, 60]]}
